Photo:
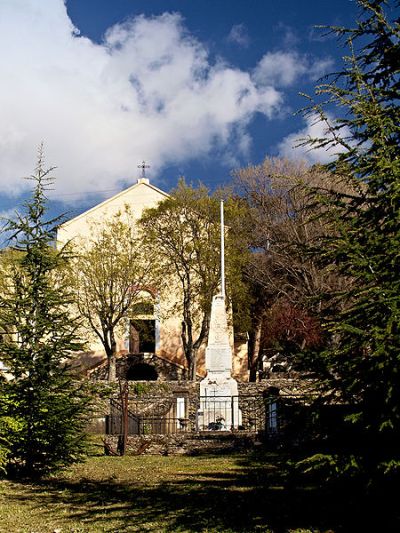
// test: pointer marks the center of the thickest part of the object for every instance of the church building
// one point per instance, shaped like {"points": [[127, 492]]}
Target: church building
{"points": [[151, 347]]}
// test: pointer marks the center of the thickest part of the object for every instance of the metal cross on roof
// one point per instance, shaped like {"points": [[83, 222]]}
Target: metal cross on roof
{"points": [[143, 166]]}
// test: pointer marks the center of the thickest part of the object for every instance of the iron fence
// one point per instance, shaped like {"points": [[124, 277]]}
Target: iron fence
{"points": [[272, 416], [154, 416]]}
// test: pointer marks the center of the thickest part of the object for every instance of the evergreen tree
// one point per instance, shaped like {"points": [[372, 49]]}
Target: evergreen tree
{"points": [[363, 364], [38, 339]]}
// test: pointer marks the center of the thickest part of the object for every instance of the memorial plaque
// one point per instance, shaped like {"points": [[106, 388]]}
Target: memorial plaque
{"points": [[219, 360]]}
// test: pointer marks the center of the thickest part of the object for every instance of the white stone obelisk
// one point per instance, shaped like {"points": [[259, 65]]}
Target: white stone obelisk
{"points": [[219, 407]]}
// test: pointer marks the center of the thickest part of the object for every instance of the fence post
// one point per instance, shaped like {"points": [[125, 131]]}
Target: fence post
{"points": [[124, 391]]}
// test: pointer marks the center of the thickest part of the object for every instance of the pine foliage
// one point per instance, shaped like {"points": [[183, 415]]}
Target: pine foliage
{"points": [[363, 363], [39, 337]]}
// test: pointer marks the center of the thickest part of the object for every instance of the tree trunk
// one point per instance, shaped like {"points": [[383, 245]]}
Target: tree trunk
{"points": [[193, 373], [112, 370], [190, 355], [187, 341], [254, 350], [112, 365]]}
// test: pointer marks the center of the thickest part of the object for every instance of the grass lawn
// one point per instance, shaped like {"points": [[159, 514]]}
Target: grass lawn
{"points": [[172, 494]]}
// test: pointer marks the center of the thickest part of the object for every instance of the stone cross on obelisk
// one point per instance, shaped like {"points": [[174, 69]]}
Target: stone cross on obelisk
{"points": [[219, 408]]}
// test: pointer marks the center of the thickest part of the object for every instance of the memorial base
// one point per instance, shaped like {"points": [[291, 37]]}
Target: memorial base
{"points": [[219, 403]]}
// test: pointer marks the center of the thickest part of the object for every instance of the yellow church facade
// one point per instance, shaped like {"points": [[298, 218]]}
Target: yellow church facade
{"points": [[153, 340]]}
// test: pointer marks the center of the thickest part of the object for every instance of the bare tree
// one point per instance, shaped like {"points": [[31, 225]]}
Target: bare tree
{"points": [[109, 273], [286, 224], [185, 231]]}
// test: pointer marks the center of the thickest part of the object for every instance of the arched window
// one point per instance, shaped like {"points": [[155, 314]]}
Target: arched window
{"points": [[142, 336], [142, 308], [143, 324]]}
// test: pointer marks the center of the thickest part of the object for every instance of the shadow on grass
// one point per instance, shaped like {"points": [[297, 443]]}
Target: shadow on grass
{"points": [[257, 496]]}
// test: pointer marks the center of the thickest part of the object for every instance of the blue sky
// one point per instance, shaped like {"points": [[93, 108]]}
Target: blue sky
{"points": [[194, 87]]}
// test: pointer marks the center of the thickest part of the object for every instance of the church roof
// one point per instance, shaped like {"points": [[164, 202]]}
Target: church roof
{"points": [[140, 181]]}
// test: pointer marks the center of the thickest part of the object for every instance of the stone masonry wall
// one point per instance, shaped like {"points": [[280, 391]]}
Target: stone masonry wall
{"points": [[154, 397], [186, 443]]}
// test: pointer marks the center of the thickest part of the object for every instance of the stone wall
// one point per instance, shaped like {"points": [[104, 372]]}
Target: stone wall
{"points": [[142, 393], [158, 368], [159, 399], [186, 443], [284, 386], [164, 369]]}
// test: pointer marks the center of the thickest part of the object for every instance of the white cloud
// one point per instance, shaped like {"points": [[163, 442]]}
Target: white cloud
{"points": [[315, 129], [239, 35], [6, 214], [290, 36], [284, 68], [149, 91]]}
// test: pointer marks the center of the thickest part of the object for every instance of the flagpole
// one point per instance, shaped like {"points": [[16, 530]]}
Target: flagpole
{"points": [[222, 251]]}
